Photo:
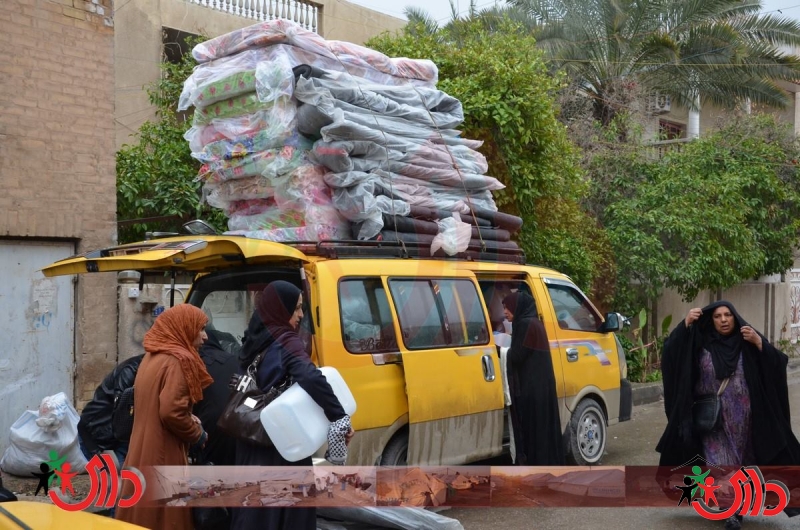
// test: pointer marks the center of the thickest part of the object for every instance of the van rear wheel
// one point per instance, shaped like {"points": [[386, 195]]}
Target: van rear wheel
{"points": [[396, 451], [587, 434]]}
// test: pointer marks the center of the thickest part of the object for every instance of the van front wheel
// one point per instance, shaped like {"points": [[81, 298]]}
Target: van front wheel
{"points": [[396, 451], [587, 434]]}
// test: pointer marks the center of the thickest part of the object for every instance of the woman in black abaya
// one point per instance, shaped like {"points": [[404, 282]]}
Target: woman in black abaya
{"points": [[272, 330], [532, 385], [712, 346]]}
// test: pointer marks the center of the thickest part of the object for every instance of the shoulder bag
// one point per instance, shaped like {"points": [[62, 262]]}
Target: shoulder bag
{"points": [[122, 416], [242, 415], [707, 411]]}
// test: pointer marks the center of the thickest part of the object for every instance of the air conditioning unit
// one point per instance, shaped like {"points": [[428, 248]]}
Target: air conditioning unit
{"points": [[658, 103]]}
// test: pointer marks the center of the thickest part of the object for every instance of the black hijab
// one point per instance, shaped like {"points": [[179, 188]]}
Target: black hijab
{"points": [[270, 320], [523, 307], [725, 349]]}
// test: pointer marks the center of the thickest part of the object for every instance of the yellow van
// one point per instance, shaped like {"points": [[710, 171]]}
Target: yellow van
{"points": [[412, 335]]}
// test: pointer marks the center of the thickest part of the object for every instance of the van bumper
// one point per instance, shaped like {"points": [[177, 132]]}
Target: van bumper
{"points": [[625, 400]]}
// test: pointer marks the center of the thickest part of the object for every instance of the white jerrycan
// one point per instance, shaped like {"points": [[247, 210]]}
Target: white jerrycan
{"points": [[296, 424]]}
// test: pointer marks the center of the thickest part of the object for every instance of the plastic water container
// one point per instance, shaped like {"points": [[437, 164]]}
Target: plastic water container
{"points": [[296, 424], [502, 339]]}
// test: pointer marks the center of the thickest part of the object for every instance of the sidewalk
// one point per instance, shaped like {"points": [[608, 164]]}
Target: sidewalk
{"points": [[644, 393]]}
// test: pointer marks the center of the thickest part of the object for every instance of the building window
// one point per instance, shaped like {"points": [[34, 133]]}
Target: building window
{"points": [[668, 130]]}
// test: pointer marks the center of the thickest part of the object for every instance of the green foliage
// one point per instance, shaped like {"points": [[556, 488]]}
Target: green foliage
{"points": [[508, 94], [644, 360], [722, 210], [720, 51], [156, 176]]}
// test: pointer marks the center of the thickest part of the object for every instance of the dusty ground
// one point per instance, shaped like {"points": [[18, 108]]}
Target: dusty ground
{"points": [[477, 496], [23, 486]]}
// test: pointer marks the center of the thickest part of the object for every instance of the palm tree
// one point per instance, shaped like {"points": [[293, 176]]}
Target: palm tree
{"points": [[719, 51]]}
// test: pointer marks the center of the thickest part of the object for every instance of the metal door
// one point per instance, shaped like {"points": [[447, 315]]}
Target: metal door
{"points": [[36, 326]]}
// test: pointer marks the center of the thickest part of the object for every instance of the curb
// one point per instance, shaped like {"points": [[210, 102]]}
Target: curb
{"points": [[644, 393]]}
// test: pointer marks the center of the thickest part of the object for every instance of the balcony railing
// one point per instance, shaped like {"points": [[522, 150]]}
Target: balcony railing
{"points": [[304, 13], [659, 149]]}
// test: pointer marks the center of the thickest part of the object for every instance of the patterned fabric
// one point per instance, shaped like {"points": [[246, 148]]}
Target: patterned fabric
{"points": [[231, 108], [228, 87], [731, 445], [337, 448], [282, 31]]}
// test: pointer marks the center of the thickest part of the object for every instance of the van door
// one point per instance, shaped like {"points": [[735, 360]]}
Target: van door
{"points": [[453, 383], [588, 356]]}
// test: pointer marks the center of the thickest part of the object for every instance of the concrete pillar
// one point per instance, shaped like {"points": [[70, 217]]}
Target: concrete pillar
{"points": [[797, 113], [693, 124]]}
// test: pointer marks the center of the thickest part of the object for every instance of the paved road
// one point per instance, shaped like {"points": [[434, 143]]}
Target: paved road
{"points": [[630, 443]]}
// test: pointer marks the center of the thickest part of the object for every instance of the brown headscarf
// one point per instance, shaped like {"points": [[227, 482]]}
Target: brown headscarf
{"points": [[173, 333]]}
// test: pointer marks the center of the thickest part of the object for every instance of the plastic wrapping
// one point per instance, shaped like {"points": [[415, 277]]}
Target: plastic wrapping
{"points": [[249, 206], [274, 137], [235, 107], [345, 156], [30, 445], [273, 217], [359, 204], [281, 31], [412, 191], [398, 518], [221, 194], [52, 411], [302, 188], [301, 233], [454, 236], [248, 124], [196, 90], [349, 122], [425, 106], [265, 163], [235, 84]]}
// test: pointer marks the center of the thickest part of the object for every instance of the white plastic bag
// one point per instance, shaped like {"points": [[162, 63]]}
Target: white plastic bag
{"points": [[453, 236], [398, 518], [52, 410], [31, 445]]}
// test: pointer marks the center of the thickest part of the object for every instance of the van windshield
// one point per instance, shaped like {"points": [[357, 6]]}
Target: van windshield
{"points": [[228, 298]]}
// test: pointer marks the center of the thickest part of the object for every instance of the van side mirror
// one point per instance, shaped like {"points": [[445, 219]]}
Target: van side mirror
{"points": [[614, 322]]}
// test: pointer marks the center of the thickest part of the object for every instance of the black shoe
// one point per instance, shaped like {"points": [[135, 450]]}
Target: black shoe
{"points": [[733, 523]]}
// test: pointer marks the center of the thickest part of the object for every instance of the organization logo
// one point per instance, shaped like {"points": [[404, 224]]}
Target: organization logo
{"points": [[749, 489], [105, 478]]}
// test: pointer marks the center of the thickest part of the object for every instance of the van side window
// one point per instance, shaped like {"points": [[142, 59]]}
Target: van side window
{"points": [[573, 311], [439, 313], [462, 304], [367, 325], [494, 292]]}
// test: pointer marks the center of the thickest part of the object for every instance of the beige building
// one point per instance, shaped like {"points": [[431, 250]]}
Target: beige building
{"points": [[771, 304], [143, 28], [71, 93]]}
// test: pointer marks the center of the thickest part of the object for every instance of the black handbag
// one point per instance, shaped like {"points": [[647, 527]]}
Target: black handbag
{"points": [[707, 411], [122, 416], [242, 415]]}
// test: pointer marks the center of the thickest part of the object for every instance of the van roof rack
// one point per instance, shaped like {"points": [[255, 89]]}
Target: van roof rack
{"points": [[347, 248]]}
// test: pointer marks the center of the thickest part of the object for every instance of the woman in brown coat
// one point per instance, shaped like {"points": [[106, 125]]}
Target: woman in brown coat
{"points": [[170, 379]]}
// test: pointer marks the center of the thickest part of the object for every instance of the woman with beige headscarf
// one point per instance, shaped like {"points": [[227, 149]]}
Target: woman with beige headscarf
{"points": [[170, 380]]}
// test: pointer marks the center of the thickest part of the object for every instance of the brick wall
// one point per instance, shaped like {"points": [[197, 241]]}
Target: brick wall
{"points": [[57, 172]]}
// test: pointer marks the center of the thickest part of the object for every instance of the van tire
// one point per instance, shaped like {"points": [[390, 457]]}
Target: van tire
{"points": [[587, 434], [396, 451]]}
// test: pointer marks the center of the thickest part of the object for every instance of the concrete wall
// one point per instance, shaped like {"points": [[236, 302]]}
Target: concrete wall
{"points": [[711, 115], [765, 305], [139, 44], [137, 313], [57, 151]]}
